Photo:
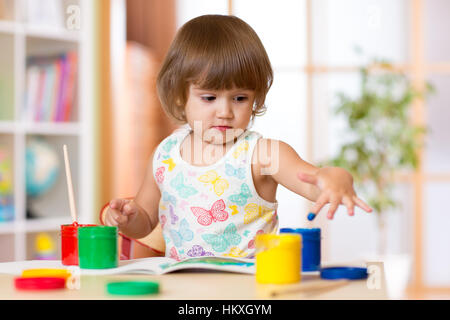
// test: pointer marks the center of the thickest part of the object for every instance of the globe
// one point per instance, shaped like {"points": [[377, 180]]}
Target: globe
{"points": [[42, 167]]}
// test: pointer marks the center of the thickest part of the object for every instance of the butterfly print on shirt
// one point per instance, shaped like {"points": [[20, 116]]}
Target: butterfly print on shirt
{"points": [[216, 213]]}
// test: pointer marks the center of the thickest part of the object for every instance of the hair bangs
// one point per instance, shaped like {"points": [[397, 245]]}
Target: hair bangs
{"points": [[225, 73]]}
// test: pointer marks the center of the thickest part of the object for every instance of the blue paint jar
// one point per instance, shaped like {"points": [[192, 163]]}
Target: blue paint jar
{"points": [[310, 247]]}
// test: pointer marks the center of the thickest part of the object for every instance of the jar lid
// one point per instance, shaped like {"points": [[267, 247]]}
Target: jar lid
{"points": [[74, 227], [287, 230], [307, 233], [132, 287], [351, 273], [96, 231], [52, 273], [39, 283]]}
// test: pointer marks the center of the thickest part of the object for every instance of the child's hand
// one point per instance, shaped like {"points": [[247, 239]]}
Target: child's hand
{"points": [[336, 186], [120, 212]]}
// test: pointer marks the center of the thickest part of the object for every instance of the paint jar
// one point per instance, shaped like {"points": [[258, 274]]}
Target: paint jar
{"points": [[278, 258], [97, 247], [310, 248], [69, 243]]}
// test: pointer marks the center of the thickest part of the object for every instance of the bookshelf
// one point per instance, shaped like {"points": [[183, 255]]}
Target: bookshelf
{"points": [[23, 36]]}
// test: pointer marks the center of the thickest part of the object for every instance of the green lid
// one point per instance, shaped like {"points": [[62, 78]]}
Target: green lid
{"points": [[97, 231], [132, 287]]}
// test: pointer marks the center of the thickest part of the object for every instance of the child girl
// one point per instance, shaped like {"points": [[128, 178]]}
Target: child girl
{"points": [[212, 183]]}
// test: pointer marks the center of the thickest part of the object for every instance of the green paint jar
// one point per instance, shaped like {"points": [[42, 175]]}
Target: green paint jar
{"points": [[97, 247]]}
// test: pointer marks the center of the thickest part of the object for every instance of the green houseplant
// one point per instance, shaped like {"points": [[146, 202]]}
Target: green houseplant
{"points": [[382, 140]]}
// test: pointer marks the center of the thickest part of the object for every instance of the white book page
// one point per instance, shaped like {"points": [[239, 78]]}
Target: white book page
{"points": [[154, 265]]}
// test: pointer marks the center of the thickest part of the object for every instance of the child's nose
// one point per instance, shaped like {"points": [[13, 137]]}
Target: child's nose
{"points": [[225, 110]]}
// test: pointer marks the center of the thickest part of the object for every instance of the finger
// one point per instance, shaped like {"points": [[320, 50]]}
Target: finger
{"points": [[110, 218], [320, 202], [360, 203], [350, 205], [333, 207], [307, 178], [121, 220], [116, 217], [129, 208], [117, 204], [112, 222], [108, 221]]}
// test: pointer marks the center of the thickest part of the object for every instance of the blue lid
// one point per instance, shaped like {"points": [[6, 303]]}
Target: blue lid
{"points": [[287, 230], [308, 230], [351, 273], [307, 233]]}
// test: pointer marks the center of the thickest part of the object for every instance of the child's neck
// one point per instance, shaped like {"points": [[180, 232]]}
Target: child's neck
{"points": [[211, 152]]}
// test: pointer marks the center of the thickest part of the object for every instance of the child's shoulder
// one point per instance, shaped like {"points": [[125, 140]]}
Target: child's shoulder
{"points": [[271, 144], [178, 132], [268, 151], [174, 137]]}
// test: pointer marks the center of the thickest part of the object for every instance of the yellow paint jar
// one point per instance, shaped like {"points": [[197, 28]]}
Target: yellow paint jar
{"points": [[278, 258]]}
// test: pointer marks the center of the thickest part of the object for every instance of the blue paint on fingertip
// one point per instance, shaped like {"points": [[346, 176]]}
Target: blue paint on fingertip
{"points": [[311, 216]]}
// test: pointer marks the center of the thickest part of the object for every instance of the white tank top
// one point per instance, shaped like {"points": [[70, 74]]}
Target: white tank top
{"points": [[210, 210]]}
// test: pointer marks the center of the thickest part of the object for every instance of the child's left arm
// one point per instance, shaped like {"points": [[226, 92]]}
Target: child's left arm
{"points": [[332, 185]]}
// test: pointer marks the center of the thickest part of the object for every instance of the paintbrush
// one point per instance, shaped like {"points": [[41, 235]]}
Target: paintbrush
{"points": [[306, 288]]}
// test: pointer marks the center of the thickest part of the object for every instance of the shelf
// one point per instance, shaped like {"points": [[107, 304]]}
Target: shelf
{"points": [[8, 127], [34, 225], [46, 224], [7, 26], [51, 128], [8, 227], [42, 32], [45, 32], [40, 128]]}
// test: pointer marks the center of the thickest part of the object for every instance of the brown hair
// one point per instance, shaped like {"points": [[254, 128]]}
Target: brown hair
{"points": [[214, 52]]}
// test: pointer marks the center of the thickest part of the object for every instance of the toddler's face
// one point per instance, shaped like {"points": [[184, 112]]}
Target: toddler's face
{"points": [[218, 116]]}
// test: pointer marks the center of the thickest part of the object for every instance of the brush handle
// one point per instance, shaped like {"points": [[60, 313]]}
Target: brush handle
{"points": [[308, 288], [73, 211]]}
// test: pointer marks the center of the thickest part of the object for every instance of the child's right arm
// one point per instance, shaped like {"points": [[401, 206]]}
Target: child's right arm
{"points": [[136, 218]]}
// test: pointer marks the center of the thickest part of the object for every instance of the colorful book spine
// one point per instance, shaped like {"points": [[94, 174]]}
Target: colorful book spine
{"points": [[70, 93], [51, 87], [39, 96], [56, 90], [32, 92], [48, 92], [62, 89]]}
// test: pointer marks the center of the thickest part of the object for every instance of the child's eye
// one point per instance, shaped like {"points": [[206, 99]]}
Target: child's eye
{"points": [[208, 98], [240, 98]]}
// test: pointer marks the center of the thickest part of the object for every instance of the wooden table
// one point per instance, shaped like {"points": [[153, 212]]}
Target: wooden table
{"points": [[203, 286]]}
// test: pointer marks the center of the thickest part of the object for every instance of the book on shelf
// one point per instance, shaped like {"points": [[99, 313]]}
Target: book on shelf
{"points": [[51, 87], [154, 265]]}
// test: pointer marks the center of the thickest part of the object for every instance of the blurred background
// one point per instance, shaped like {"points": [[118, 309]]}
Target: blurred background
{"points": [[358, 83]]}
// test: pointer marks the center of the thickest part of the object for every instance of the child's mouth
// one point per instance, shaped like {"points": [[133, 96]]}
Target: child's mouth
{"points": [[222, 128]]}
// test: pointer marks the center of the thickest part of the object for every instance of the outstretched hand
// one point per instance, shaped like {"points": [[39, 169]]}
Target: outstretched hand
{"points": [[120, 211], [336, 186]]}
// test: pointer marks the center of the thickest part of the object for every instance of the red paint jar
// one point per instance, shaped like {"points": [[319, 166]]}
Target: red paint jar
{"points": [[69, 243]]}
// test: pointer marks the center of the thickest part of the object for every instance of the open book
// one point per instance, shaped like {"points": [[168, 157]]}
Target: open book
{"points": [[154, 265]]}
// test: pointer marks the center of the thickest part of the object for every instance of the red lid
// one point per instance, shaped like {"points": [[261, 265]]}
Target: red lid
{"points": [[40, 283]]}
